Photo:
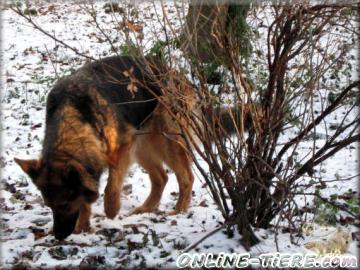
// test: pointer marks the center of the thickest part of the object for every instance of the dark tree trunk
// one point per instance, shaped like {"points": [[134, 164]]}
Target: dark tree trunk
{"points": [[204, 37]]}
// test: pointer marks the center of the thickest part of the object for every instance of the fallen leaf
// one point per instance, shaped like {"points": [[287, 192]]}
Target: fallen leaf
{"points": [[346, 220], [203, 203], [92, 262], [127, 189], [355, 236], [36, 126], [134, 27], [57, 253], [38, 232], [173, 222]]}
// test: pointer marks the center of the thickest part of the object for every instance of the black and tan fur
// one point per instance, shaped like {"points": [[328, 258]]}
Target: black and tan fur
{"points": [[91, 124], [94, 121]]}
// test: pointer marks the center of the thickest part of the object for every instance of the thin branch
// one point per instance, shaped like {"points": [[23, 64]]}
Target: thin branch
{"points": [[202, 239], [337, 205], [29, 19], [326, 112]]}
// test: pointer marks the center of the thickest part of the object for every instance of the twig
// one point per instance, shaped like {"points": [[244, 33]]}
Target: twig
{"points": [[135, 101], [327, 111], [93, 15], [28, 18], [339, 206], [52, 63], [192, 246]]}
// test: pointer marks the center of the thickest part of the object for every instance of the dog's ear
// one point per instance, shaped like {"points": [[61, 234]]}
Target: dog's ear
{"points": [[32, 167], [77, 177]]}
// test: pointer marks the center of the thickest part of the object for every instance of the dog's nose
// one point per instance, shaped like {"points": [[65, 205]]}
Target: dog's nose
{"points": [[60, 235], [61, 232], [64, 225]]}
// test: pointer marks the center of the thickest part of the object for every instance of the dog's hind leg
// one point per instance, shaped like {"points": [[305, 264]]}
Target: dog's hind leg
{"points": [[83, 222], [180, 163], [158, 179], [117, 172]]}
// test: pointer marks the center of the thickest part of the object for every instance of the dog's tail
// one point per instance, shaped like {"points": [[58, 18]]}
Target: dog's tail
{"points": [[229, 120]]}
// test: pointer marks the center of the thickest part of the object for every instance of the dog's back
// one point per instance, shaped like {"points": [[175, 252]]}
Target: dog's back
{"points": [[123, 81], [125, 84]]}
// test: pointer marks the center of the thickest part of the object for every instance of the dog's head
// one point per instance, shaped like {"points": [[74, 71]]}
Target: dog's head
{"points": [[64, 186]]}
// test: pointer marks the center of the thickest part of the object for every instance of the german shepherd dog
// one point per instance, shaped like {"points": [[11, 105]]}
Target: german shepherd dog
{"points": [[92, 118]]}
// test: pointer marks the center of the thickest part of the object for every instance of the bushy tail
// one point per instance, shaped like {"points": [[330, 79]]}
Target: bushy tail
{"points": [[229, 120]]}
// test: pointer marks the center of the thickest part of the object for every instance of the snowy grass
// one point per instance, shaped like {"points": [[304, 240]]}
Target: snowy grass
{"points": [[31, 64]]}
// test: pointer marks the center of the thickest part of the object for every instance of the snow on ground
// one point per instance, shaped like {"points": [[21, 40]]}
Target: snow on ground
{"points": [[31, 64]]}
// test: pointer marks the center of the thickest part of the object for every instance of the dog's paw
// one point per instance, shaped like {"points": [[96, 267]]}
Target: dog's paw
{"points": [[142, 209], [111, 212], [82, 226], [111, 206], [175, 212], [80, 229]]}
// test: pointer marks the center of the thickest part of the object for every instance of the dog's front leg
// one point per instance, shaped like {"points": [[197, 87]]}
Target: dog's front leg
{"points": [[117, 172], [83, 222]]}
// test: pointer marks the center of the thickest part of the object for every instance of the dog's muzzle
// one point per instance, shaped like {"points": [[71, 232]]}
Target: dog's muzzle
{"points": [[64, 225]]}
